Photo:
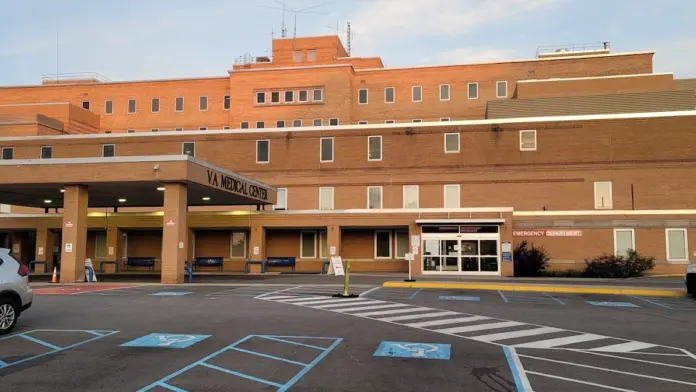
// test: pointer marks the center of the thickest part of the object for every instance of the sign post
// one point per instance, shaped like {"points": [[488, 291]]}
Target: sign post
{"points": [[409, 258], [337, 265]]}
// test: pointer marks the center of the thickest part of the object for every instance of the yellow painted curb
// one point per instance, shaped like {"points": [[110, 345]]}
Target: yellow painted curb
{"points": [[537, 288], [666, 276]]}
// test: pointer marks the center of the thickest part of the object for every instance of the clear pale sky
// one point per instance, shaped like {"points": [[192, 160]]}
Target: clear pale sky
{"points": [[154, 39]]}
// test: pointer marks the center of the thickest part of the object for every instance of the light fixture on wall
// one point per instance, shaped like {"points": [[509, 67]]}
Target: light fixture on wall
{"points": [[206, 199], [121, 200]]}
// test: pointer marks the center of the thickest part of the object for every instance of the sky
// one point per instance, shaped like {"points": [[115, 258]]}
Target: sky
{"points": [[156, 39]]}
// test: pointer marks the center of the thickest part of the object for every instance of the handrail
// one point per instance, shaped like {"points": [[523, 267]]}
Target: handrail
{"points": [[74, 76], [572, 48]]}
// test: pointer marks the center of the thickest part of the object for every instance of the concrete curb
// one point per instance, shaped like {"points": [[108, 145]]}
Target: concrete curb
{"points": [[538, 288]]}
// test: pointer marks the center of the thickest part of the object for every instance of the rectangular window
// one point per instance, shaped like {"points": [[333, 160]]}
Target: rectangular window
{"points": [[473, 90], [176, 129], [389, 121], [188, 148], [317, 122], [451, 196], [389, 95], [275, 96], [624, 240], [85, 105], [131, 131], [203, 128], [326, 198], [603, 195], [374, 148], [108, 107], [311, 55], [382, 244], [155, 130], [677, 245], [263, 151], [417, 93], [410, 196], [401, 246], [323, 244], [362, 96], [451, 143], [179, 104], [226, 102], [280, 124], [244, 125], [46, 152], [326, 147], [444, 119], [296, 123], [226, 127], [501, 89], [308, 245], [154, 105], [202, 104], [282, 202], [100, 246], [8, 153], [302, 96], [260, 124], [131, 106], [238, 245], [260, 97], [333, 122], [374, 197], [362, 122], [444, 92], [528, 140], [318, 95], [108, 150], [289, 96], [417, 120], [297, 56]]}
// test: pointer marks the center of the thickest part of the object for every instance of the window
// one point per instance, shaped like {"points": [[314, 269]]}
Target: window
{"points": [[178, 129], [501, 89], [108, 107], [297, 56], [202, 104], [260, 124], [275, 96], [312, 55], [155, 130], [326, 198], [603, 195], [179, 104], [323, 244], [374, 148], [100, 246], [226, 127], [401, 246], [451, 196], [444, 92], [333, 121], [326, 147], [528, 140], [444, 119], [280, 124], [131, 106], [282, 202], [46, 152], [389, 95], [410, 196], [308, 245], [417, 120], [677, 245], [624, 240], [8, 153], [451, 143], [244, 125], [303, 96], [154, 105], [203, 128], [362, 122], [238, 245], [382, 244], [260, 97], [85, 105], [374, 197], [296, 123], [226, 102], [362, 96], [263, 152], [189, 148], [417, 93], [317, 122], [473, 90], [389, 121], [107, 131], [108, 150], [318, 95], [289, 96], [131, 131]]}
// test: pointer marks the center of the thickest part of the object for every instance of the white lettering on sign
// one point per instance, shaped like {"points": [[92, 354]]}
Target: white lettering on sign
{"points": [[337, 265], [547, 233]]}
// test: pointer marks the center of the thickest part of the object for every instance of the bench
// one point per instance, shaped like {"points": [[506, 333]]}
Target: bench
{"points": [[208, 262], [259, 262], [101, 266], [32, 265], [280, 262], [140, 262]]}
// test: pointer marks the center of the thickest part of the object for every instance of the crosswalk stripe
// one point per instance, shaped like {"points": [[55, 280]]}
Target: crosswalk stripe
{"points": [[550, 343], [355, 303], [327, 301], [433, 323], [623, 347], [397, 311], [417, 316], [480, 327], [302, 299], [515, 334], [278, 297], [372, 307]]}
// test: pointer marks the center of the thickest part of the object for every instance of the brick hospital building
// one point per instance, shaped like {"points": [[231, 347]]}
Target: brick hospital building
{"points": [[311, 153]]}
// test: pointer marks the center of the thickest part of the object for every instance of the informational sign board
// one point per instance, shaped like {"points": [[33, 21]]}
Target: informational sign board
{"points": [[40, 251], [68, 247], [181, 244], [15, 248], [507, 257], [337, 266], [171, 222], [256, 251], [414, 250], [507, 246], [415, 240], [547, 233], [68, 224], [111, 251], [332, 251]]}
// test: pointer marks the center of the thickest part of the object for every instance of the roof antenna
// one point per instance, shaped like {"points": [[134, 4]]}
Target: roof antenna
{"points": [[283, 7]]}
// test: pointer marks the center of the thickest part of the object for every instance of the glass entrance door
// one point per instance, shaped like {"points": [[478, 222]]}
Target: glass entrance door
{"points": [[461, 255]]}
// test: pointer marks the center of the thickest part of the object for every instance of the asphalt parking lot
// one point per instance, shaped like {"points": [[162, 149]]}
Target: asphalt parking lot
{"points": [[298, 338]]}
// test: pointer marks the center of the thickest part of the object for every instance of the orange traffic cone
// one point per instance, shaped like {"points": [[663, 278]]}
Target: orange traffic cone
{"points": [[55, 275]]}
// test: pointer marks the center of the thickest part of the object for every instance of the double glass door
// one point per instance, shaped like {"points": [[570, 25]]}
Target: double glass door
{"points": [[464, 255]]}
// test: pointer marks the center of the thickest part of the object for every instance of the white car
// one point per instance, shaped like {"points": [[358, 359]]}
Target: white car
{"points": [[690, 279], [15, 294]]}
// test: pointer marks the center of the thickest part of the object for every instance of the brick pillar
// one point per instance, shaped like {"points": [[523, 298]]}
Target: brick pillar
{"points": [[417, 264], [333, 239], [72, 262], [18, 246], [44, 245], [114, 246], [257, 240], [174, 233], [507, 268]]}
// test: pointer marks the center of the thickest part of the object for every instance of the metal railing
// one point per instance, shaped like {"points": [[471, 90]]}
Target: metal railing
{"points": [[249, 59], [76, 76], [572, 48]]}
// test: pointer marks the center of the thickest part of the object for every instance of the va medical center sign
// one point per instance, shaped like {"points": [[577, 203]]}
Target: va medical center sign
{"points": [[236, 185]]}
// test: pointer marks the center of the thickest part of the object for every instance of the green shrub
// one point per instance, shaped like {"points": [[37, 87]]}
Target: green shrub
{"points": [[612, 266], [530, 260]]}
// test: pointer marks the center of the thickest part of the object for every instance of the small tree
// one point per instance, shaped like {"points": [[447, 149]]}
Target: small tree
{"points": [[615, 266], [530, 260]]}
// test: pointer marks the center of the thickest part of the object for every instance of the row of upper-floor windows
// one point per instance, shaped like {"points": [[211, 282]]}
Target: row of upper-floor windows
{"points": [[445, 92], [307, 95], [155, 105]]}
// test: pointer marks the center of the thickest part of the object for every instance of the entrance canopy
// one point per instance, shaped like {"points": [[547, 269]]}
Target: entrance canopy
{"points": [[136, 181]]}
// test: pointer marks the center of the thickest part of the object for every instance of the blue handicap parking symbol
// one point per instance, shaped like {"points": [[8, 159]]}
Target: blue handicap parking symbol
{"points": [[172, 293], [413, 350], [165, 340], [459, 298], [613, 304]]}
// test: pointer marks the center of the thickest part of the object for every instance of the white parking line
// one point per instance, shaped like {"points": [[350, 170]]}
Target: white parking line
{"points": [[550, 343], [516, 334], [433, 323], [480, 327], [417, 316], [624, 347]]}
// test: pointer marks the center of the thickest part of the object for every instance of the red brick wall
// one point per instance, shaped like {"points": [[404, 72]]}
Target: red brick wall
{"points": [[617, 85]]}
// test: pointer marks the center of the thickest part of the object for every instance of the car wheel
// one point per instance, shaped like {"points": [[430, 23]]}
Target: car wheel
{"points": [[691, 285], [9, 313]]}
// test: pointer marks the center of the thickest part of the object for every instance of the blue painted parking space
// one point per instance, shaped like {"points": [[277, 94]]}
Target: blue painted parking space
{"points": [[459, 298], [669, 303], [171, 293], [413, 350], [609, 304], [166, 340], [287, 365], [26, 346]]}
